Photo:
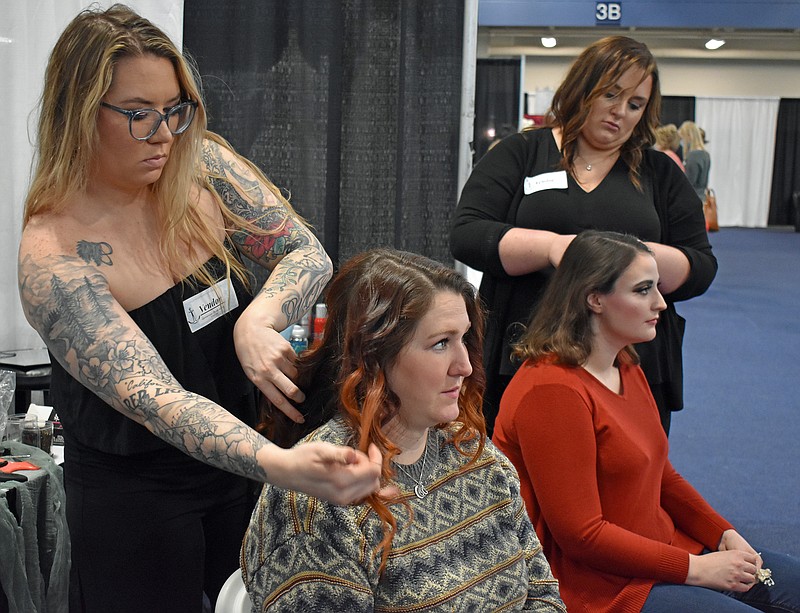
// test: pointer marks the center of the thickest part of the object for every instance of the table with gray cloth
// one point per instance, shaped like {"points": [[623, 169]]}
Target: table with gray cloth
{"points": [[34, 540]]}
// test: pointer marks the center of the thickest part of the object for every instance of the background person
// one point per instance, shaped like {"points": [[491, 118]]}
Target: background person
{"points": [[129, 269], [695, 157], [399, 367], [668, 141], [590, 166], [621, 528]]}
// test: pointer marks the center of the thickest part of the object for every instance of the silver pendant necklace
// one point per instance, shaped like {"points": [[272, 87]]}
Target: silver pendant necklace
{"points": [[589, 165], [420, 491]]}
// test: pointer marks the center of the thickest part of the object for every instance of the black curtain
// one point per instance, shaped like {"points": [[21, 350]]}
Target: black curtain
{"points": [[786, 170], [677, 109], [497, 87], [352, 107]]}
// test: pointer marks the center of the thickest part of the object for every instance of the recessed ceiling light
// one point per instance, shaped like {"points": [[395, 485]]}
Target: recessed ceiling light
{"points": [[714, 44], [548, 42]]}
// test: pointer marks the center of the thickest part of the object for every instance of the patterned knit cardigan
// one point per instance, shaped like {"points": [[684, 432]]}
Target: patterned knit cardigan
{"points": [[469, 547]]}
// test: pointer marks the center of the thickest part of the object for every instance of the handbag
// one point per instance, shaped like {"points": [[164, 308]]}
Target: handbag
{"points": [[710, 211]]}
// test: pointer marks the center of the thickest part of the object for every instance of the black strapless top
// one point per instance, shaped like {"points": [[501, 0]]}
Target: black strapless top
{"points": [[203, 361]]}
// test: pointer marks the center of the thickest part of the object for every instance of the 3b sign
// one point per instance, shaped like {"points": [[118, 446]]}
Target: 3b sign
{"points": [[608, 12]]}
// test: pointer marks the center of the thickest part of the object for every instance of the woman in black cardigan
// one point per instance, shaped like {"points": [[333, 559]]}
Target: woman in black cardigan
{"points": [[589, 167]]}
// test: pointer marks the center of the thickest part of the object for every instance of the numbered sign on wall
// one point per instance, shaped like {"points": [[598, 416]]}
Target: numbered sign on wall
{"points": [[608, 13]]}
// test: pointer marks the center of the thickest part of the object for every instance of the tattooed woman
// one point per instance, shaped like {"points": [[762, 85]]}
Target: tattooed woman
{"points": [[130, 270]]}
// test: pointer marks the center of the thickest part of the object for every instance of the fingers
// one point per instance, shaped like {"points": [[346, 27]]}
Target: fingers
{"points": [[746, 572], [733, 570], [281, 384], [343, 456], [389, 492], [272, 377], [363, 472], [342, 475], [370, 464], [280, 402], [374, 454]]}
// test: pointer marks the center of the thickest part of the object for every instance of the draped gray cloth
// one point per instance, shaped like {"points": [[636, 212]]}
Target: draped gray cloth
{"points": [[34, 538], [352, 107]]}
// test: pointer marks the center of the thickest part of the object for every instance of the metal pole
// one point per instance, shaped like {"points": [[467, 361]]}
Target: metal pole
{"points": [[467, 123]]}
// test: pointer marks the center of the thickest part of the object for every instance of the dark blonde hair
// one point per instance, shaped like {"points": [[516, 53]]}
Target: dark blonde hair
{"points": [[667, 137], [374, 305], [594, 73], [561, 328], [79, 73], [691, 136]]}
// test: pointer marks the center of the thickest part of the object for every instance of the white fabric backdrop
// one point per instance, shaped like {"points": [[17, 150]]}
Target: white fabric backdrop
{"points": [[28, 31], [741, 135]]}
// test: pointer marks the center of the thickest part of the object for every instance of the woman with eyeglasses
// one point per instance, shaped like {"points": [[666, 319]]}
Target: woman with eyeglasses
{"points": [[130, 269]]}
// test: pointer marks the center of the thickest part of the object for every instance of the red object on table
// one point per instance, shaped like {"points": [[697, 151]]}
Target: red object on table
{"points": [[11, 467]]}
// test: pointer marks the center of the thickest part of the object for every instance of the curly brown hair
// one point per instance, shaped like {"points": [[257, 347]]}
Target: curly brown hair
{"points": [[374, 305]]}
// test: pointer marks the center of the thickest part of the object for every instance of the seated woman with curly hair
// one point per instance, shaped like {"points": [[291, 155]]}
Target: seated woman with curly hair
{"points": [[399, 366]]}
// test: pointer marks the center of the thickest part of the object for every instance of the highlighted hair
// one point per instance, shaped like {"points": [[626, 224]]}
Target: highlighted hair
{"points": [[593, 74], [374, 305], [79, 73]]}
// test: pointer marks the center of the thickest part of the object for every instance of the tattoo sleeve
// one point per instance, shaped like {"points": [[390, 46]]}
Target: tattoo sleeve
{"points": [[299, 267], [70, 305]]}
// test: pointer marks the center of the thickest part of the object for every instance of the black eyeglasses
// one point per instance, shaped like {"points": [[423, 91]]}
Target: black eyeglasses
{"points": [[143, 123]]}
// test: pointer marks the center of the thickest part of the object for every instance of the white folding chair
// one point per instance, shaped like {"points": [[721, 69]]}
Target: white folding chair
{"points": [[233, 596]]}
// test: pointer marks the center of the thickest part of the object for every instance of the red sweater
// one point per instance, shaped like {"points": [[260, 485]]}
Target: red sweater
{"points": [[613, 515]]}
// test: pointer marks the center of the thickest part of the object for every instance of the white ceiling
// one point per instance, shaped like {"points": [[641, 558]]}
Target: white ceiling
{"points": [[754, 45]]}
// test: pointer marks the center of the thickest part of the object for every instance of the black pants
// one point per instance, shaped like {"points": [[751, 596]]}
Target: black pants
{"points": [[151, 533]]}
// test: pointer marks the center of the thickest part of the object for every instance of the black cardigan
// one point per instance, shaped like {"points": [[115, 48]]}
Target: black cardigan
{"points": [[487, 210]]}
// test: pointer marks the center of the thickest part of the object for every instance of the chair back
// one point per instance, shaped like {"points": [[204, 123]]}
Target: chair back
{"points": [[233, 596]]}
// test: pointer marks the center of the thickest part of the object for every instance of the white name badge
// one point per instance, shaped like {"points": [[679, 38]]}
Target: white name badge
{"points": [[547, 180], [209, 305]]}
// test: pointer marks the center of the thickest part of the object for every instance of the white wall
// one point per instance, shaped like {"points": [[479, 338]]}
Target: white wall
{"points": [[691, 77]]}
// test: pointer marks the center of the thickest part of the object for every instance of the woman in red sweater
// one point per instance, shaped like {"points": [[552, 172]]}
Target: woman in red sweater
{"points": [[622, 530]]}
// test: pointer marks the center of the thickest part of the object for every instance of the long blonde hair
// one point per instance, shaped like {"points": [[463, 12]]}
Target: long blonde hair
{"points": [[78, 75], [691, 136]]}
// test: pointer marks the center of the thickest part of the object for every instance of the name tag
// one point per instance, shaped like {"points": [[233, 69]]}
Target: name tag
{"points": [[209, 305], [547, 180]]}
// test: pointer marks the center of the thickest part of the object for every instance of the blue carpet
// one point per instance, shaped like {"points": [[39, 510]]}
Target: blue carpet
{"points": [[737, 439]]}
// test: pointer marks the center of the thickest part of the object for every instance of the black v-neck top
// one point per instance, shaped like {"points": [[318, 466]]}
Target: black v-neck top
{"points": [[615, 204]]}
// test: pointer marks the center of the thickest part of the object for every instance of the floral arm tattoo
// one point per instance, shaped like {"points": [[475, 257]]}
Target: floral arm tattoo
{"points": [[69, 303], [299, 267]]}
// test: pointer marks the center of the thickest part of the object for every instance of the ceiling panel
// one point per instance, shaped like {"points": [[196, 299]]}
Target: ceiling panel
{"points": [[758, 45]]}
